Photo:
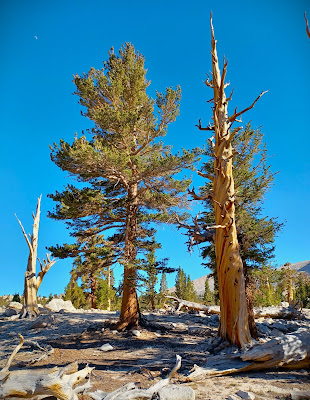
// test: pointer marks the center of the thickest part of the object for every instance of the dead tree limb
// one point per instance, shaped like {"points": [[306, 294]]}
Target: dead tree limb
{"points": [[266, 312], [129, 391], [194, 306], [30, 383], [290, 351]]}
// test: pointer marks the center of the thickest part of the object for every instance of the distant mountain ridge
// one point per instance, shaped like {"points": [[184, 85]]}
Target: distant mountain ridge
{"points": [[302, 266]]}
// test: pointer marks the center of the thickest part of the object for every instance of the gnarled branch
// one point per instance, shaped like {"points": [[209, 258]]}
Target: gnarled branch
{"points": [[237, 114]]}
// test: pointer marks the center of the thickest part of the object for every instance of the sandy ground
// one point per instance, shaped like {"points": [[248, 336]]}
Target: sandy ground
{"points": [[143, 360]]}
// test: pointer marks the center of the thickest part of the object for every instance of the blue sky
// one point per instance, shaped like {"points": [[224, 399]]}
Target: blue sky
{"points": [[267, 47]]}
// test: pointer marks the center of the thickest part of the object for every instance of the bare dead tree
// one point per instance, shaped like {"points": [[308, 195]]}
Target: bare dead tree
{"points": [[234, 324], [33, 282]]}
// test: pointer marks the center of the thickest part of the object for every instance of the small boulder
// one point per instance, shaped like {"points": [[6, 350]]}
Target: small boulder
{"points": [[263, 329], [173, 392], [56, 305], [275, 332], [43, 322], [136, 333], [300, 394], [106, 347], [246, 395], [199, 331], [13, 308]]}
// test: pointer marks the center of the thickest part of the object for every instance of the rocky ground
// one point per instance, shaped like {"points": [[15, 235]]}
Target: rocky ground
{"points": [[145, 356]]}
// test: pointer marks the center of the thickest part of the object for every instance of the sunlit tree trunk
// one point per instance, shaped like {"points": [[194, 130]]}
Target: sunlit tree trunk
{"points": [[109, 288], [130, 308], [234, 323]]}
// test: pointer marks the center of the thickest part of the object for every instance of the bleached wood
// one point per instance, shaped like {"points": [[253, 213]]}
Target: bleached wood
{"points": [[31, 383], [266, 312], [290, 351], [195, 306], [129, 391]]}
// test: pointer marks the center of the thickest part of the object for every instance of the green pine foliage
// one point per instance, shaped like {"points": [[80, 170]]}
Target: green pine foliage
{"points": [[266, 286], [302, 289], [253, 178], [16, 298], [75, 293], [151, 299], [184, 288], [104, 293], [163, 284], [208, 296], [125, 172]]}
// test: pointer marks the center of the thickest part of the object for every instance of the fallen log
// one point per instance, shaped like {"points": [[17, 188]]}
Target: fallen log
{"points": [[290, 351], [194, 306], [130, 391], [58, 382], [267, 312], [278, 312]]}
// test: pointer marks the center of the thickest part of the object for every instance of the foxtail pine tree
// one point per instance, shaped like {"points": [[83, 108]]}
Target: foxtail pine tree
{"points": [[126, 168], [234, 325]]}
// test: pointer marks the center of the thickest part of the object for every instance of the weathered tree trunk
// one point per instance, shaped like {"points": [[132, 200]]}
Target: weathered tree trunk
{"points": [[109, 288], [290, 351], [234, 325], [290, 291], [234, 316], [30, 289], [249, 301], [33, 282], [93, 288], [130, 309]]}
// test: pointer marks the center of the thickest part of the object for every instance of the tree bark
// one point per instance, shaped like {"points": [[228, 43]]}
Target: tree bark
{"points": [[93, 288], [234, 324], [130, 309], [109, 288], [249, 301]]}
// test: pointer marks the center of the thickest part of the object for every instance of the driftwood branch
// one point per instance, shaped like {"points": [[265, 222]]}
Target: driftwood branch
{"points": [[57, 382], [266, 312], [290, 351], [194, 306], [15, 351], [130, 391]]}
